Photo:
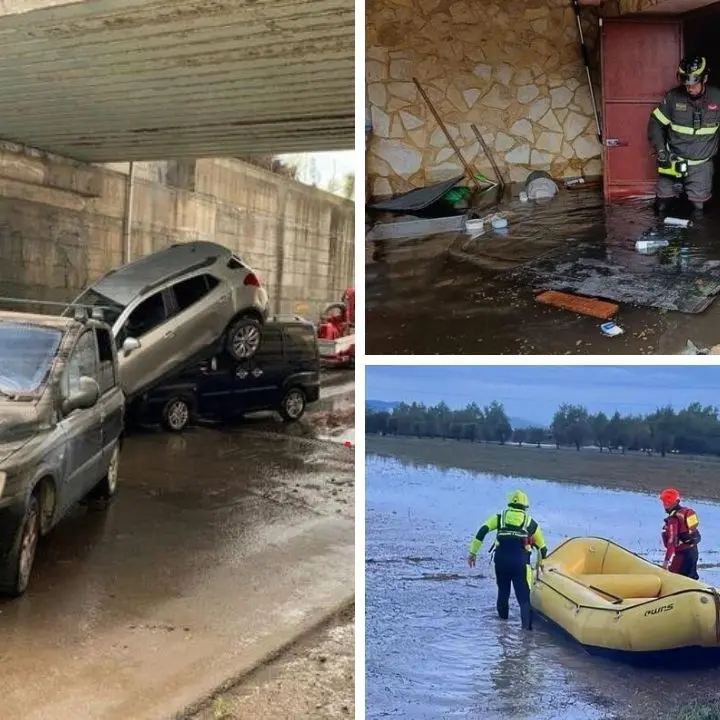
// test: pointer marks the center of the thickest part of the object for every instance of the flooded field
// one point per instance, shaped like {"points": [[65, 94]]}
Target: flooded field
{"points": [[434, 645], [446, 294]]}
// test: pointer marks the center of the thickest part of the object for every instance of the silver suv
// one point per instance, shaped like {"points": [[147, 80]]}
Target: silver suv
{"points": [[61, 425], [177, 307]]}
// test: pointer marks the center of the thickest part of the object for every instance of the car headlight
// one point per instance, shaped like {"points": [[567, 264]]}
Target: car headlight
{"points": [[3, 477]]}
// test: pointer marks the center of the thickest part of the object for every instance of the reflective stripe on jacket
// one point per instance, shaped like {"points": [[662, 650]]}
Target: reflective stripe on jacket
{"points": [[687, 127]]}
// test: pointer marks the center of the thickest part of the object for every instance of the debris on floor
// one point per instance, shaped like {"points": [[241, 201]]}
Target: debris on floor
{"points": [[575, 303], [611, 329], [692, 349], [417, 227], [672, 279], [419, 198], [540, 185], [650, 245], [677, 222]]}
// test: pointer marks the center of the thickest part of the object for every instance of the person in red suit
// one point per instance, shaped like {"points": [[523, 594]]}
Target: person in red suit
{"points": [[680, 535]]}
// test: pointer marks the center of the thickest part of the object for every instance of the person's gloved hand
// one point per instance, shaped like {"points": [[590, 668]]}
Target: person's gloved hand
{"points": [[471, 559], [663, 157]]}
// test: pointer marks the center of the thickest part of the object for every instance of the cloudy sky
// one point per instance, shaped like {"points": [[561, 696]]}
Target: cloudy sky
{"points": [[533, 393], [329, 165]]}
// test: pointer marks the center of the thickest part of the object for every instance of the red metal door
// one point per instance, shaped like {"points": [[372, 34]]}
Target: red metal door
{"points": [[639, 64]]}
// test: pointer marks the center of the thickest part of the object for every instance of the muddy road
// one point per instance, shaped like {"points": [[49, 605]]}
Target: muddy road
{"points": [[222, 545], [434, 645], [442, 295], [313, 679]]}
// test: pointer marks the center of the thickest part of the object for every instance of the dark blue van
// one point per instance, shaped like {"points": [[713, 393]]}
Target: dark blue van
{"points": [[283, 375]]}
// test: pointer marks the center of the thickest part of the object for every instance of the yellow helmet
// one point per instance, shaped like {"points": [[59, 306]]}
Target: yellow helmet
{"points": [[518, 497]]}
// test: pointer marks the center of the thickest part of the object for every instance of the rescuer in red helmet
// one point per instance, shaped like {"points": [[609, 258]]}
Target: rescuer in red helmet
{"points": [[680, 536]]}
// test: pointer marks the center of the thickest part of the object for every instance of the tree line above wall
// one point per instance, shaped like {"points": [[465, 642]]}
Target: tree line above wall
{"points": [[693, 430]]}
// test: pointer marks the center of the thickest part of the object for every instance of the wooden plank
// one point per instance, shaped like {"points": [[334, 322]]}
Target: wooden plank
{"points": [[579, 304]]}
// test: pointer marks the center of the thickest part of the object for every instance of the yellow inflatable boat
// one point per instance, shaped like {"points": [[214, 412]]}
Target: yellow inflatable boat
{"points": [[615, 603]]}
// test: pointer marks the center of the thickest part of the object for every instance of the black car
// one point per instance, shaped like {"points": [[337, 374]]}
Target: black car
{"points": [[283, 375]]}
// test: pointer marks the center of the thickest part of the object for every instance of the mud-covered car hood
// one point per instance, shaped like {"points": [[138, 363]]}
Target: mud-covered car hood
{"points": [[18, 425]]}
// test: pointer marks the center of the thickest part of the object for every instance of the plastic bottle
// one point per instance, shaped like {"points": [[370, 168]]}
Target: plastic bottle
{"points": [[648, 245], [684, 258]]}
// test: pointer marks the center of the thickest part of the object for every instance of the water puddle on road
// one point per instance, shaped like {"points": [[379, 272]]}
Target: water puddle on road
{"points": [[434, 645]]}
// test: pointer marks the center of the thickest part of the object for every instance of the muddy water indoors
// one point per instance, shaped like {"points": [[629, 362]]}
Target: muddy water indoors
{"points": [[440, 294], [435, 647]]}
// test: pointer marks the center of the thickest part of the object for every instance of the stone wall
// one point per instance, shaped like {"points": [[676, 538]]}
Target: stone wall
{"points": [[511, 67], [62, 224]]}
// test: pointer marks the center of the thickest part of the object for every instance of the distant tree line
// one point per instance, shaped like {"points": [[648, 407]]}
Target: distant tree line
{"points": [[694, 430]]}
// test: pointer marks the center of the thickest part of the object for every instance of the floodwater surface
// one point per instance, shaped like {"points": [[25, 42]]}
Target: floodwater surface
{"points": [[447, 294], [435, 647]]}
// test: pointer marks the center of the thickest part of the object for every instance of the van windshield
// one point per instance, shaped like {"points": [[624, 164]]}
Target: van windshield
{"points": [[93, 299], [26, 355]]}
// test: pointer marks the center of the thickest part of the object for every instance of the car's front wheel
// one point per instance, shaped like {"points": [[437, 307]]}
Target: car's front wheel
{"points": [[16, 567], [292, 407], [103, 493], [176, 415], [244, 337]]}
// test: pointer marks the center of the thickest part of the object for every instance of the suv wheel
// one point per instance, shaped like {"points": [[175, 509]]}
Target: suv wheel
{"points": [[176, 415], [292, 407], [16, 567], [243, 338]]}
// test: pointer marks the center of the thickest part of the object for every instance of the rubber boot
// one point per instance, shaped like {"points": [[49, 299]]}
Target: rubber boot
{"points": [[503, 609], [526, 616], [698, 209]]}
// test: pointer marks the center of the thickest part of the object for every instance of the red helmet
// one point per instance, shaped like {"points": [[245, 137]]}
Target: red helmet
{"points": [[670, 497]]}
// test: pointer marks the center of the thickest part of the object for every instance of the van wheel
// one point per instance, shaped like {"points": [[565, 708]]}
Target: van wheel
{"points": [[16, 567], [176, 415], [102, 494], [243, 338], [292, 406]]}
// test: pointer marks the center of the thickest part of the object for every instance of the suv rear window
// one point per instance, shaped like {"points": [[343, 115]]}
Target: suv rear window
{"points": [[235, 263], [188, 292], [272, 343], [301, 341]]}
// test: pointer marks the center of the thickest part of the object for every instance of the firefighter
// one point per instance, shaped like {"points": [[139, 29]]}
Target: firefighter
{"points": [[513, 527], [683, 131], [680, 536]]}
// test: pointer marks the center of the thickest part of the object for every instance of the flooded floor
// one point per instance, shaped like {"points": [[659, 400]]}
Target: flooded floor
{"points": [[442, 294], [222, 545], [434, 645]]}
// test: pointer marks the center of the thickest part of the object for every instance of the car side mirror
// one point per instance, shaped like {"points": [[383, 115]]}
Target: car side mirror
{"points": [[130, 344], [85, 397]]}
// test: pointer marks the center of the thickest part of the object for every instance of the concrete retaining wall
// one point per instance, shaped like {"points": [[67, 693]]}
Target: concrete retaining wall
{"points": [[62, 224]]}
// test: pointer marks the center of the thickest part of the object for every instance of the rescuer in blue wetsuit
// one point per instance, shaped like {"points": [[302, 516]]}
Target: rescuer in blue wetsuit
{"points": [[514, 528]]}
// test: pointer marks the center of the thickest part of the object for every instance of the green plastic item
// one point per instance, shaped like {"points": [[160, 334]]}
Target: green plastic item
{"points": [[460, 193]]}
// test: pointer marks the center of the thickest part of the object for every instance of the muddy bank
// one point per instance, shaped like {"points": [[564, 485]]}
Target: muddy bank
{"points": [[313, 679], [695, 476]]}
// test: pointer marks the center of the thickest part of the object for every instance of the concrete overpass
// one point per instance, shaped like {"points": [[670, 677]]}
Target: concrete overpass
{"points": [[111, 80]]}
